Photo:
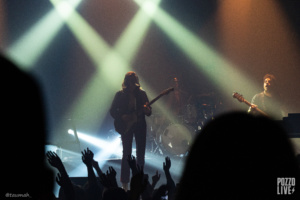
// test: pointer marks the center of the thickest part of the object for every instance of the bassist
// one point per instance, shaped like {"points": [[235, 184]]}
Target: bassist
{"points": [[129, 103], [269, 100]]}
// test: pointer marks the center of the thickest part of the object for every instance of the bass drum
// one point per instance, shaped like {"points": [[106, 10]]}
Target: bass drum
{"points": [[177, 138]]}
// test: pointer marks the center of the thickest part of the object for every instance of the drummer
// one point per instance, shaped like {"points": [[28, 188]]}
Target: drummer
{"points": [[178, 99]]}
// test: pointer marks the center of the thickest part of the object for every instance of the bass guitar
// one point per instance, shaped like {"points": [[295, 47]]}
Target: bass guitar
{"points": [[241, 99], [123, 127]]}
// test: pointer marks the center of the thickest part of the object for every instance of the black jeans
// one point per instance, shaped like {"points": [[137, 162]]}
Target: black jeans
{"points": [[139, 133]]}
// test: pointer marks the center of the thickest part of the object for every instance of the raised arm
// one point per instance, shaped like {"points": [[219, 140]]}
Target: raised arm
{"points": [[56, 162], [137, 185], [65, 183], [87, 159], [62, 178], [111, 175], [97, 168], [170, 181], [132, 164], [109, 180], [155, 179]]}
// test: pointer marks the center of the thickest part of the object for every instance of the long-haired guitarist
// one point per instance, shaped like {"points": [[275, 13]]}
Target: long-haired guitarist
{"points": [[129, 108], [269, 100]]}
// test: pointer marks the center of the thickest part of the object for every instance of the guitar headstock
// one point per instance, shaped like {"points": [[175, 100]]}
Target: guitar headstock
{"points": [[238, 96], [167, 91]]}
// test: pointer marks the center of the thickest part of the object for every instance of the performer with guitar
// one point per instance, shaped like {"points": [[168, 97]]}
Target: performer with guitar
{"points": [[269, 100], [129, 108]]}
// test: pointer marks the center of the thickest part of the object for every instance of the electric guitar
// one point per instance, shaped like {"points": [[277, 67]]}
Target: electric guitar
{"points": [[123, 127], [240, 98]]}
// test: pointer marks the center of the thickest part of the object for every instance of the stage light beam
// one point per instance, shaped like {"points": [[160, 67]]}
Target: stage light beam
{"points": [[106, 149], [224, 75], [102, 144], [28, 49], [88, 38], [132, 38], [112, 63], [93, 98]]}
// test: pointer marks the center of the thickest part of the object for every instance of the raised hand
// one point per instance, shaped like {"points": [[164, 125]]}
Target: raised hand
{"points": [[137, 185], [54, 160], [111, 175], [155, 179], [131, 161], [105, 181], [87, 157], [112, 172], [170, 181], [109, 180], [132, 164], [167, 164]]}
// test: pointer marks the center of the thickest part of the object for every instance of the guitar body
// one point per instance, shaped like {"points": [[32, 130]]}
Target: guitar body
{"points": [[120, 126], [123, 127]]}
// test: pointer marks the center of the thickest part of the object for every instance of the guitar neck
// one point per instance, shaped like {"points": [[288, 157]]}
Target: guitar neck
{"points": [[262, 112], [155, 99], [247, 102], [257, 109], [240, 98]]}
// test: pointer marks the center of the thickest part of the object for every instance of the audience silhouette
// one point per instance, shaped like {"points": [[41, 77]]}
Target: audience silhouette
{"points": [[24, 129], [239, 156]]}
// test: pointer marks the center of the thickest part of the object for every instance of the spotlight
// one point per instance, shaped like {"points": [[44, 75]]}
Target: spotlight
{"points": [[108, 147], [106, 150], [71, 132]]}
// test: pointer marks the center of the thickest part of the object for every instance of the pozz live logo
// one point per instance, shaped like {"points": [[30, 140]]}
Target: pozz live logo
{"points": [[286, 186]]}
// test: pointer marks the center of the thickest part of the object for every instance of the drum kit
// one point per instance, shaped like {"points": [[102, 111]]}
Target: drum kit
{"points": [[174, 137]]}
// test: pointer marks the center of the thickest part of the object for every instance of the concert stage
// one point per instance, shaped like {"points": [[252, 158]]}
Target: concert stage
{"points": [[79, 51]]}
